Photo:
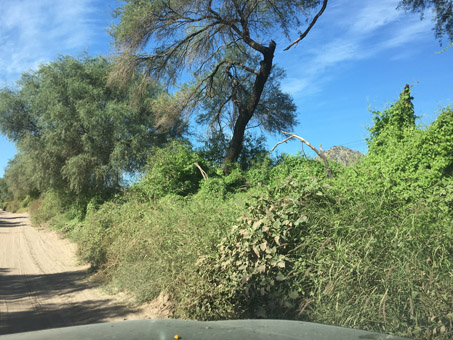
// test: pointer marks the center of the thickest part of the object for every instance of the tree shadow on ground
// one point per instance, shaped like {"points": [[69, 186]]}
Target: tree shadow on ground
{"points": [[6, 224], [44, 301], [14, 221]]}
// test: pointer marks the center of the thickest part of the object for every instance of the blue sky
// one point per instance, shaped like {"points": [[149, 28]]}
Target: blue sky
{"points": [[358, 56]]}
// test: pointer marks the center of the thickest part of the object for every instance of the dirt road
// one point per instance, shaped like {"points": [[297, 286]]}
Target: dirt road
{"points": [[42, 286]]}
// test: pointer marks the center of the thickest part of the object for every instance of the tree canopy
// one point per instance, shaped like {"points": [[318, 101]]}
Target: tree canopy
{"points": [[75, 132], [226, 46]]}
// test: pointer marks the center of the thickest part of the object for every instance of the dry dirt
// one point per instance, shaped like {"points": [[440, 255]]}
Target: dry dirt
{"points": [[43, 286]]}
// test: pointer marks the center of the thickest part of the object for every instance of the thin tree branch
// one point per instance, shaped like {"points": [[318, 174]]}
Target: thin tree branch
{"points": [[246, 68], [219, 111], [203, 173], [253, 127], [319, 153], [165, 57], [248, 40], [303, 35], [283, 141]]}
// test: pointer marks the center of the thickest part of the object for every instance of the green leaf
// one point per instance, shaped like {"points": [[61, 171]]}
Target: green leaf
{"points": [[256, 251], [261, 269], [280, 277]]}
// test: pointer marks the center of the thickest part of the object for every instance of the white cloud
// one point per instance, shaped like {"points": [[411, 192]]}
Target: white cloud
{"points": [[375, 15], [334, 52], [364, 29], [406, 33], [34, 31], [294, 85]]}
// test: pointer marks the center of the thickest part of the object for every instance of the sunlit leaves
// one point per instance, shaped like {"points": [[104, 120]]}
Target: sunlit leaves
{"points": [[80, 134]]}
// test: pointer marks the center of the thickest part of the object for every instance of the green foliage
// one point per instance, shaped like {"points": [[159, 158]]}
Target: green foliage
{"points": [[438, 144], [334, 253], [260, 173], [61, 210], [254, 267], [272, 172], [299, 167], [223, 186], [370, 248], [413, 161], [234, 80], [74, 132], [443, 14], [212, 187], [171, 170], [153, 246], [95, 238], [392, 121], [49, 206], [5, 195], [214, 149], [12, 206], [20, 177]]}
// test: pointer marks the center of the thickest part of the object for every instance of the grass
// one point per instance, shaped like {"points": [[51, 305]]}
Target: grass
{"points": [[299, 247]]}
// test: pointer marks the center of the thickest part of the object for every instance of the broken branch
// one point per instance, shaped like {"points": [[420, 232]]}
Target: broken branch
{"points": [[303, 35], [203, 173], [320, 153]]}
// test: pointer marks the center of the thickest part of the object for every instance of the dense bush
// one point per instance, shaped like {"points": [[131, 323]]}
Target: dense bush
{"points": [[171, 170], [353, 258], [148, 248], [370, 248], [215, 147], [12, 206], [5, 194]]}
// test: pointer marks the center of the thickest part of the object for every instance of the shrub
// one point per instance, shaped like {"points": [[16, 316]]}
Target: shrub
{"points": [[298, 167], [149, 247], [12, 206], [171, 170], [48, 207], [212, 187], [349, 257]]}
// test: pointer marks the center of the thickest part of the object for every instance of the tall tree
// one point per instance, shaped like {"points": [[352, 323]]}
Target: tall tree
{"points": [[21, 178], [227, 46], [80, 134], [5, 194]]}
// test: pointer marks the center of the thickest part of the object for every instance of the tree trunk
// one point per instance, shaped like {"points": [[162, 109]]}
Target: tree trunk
{"points": [[246, 110], [235, 146]]}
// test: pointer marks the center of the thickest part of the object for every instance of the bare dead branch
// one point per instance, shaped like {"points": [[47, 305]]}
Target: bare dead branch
{"points": [[319, 153], [303, 35], [283, 141], [203, 173]]}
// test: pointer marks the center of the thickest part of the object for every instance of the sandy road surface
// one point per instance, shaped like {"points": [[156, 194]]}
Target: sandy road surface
{"points": [[41, 285]]}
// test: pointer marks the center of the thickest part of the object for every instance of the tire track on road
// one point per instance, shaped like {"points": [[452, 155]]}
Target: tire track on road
{"points": [[42, 286]]}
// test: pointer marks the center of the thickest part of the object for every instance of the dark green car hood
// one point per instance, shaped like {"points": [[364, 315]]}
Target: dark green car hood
{"points": [[168, 329]]}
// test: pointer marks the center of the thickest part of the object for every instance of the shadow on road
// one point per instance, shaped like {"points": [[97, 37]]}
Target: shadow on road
{"points": [[6, 224], [16, 221], [36, 293], [12, 218]]}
